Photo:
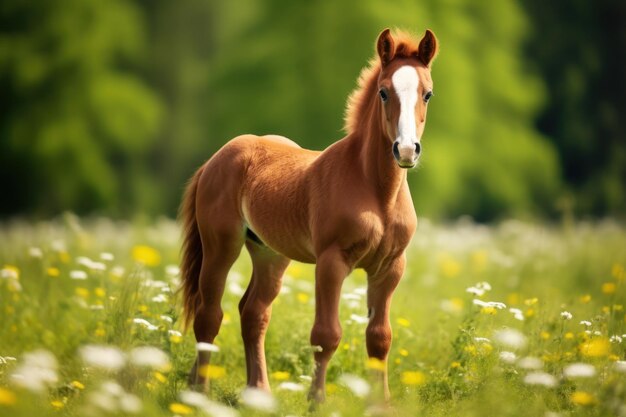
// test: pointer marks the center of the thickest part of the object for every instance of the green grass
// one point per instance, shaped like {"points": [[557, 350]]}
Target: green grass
{"points": [[437, 366]]}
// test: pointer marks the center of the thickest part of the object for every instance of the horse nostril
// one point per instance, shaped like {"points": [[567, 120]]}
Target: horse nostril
{"points": [[418, 148], [396, 151]]}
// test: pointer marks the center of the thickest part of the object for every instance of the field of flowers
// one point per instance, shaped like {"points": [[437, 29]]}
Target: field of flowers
{"points": [[515, 319]]}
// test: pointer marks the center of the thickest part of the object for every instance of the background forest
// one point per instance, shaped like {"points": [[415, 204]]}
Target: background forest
{"points": [[108, 107]]}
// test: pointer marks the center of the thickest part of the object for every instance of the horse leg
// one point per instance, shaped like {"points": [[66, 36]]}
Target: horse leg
{"points": [[330, 271], [256, 309], [220, 250], [378, 333]]}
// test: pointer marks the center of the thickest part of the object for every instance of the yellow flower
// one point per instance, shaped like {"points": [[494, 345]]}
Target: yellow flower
{"points": [[596, 347], [10, 271], [413, 378], [178, 408], [302, 297], [569, 335], [146, 255], [58, 404], [455, 365], [609, 287], [7, 397], [618, 307], [490, 311], [531, 301], [544, 335], [100, 292], [331, 388], [585, 298], [479, 260], [64, 257], [471, 349], [77, 385], [82, 292], [449, 267], [530, 312], [614, 358], [280, 375], [53, 272], [212, 371], [512, 298], [403, 322], [606, 309], [100, 332], [346, 346], [582, 398], [403, 352], [175, 338], [376, 364], [160, 377], [142, 308], [618, 272]]}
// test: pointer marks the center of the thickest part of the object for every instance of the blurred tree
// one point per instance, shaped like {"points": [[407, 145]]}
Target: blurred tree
{"points": [[75, 119], [579, 50]]}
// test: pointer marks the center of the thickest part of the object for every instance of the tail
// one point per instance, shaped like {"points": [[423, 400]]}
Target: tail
{"points": [[191, 250]]}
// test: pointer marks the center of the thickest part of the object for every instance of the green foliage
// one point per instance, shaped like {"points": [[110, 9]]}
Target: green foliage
{"points": [[111, 106]]}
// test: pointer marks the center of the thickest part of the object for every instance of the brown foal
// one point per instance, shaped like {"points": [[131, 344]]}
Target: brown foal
{"points": [[344, 208]]}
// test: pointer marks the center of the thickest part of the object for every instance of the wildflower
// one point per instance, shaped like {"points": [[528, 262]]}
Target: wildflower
{"points": [[403, 322], [280, 375], [540, 378], [489, 304], [449, 267], [172, 271], [82, 292], [77, 385], [566, 315], [145, 323], [403, 352], [37, 371], [199, 400], [106, 256], [569, 335], [596, 347], [359, 319], [175, 336], [479, 289], [104, 357], [413, 378], [10, 272], [53, 272], [7, 397], [482, 340], [146, 255], [455, 365], [586, 323], [620, 366], [57, 404], [150, 357], [544, 335], [376, 364], [206, 347], [517, 314], [130, 403], [178, 408], [302, 297], [453, 305], [609, 287], [582, 398], [530, 362], [508, 357], [35, 252], [357, 385], [510, 338], [615, 339], [160, 298], [531, 301], [579, 370], [88, 263], [258, 399], [291, 386], [212, 371], [585, 298], [78, 274]]}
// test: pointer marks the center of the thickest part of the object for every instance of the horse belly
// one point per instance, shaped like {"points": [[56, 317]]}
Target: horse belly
{"points": [[279, 228]]}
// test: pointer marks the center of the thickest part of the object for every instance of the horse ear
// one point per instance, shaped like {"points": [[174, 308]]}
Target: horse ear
{"points": [[385, 47], [427, 50]]}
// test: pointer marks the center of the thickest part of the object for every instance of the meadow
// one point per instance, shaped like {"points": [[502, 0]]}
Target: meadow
{"points": [[512, 319]]}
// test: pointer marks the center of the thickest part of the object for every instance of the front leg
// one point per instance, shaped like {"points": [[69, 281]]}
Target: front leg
{"points": [[378, 333], [330, 272]]}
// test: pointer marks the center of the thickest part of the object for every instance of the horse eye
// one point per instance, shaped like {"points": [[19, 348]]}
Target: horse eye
{"points": [[383, 95], [427, 96]]}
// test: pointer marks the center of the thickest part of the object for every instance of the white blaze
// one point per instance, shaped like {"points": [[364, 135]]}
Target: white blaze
{"points": [[405, 81]]}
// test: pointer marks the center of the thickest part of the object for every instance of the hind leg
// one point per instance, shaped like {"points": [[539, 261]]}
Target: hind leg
{"points": [[220, 250], [256, 309]]}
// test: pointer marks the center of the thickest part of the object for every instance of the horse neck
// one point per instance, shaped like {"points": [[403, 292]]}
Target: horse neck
{"points": [[377, 161]]}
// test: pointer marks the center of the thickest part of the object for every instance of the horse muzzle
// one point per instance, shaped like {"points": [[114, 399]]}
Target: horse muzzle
{"points": [[406, 156]]}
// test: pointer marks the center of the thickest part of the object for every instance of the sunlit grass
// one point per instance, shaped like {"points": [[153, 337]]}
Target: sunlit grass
{"points": [[514, 320]]}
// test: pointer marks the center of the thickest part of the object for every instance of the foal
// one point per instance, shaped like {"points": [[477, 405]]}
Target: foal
{"points": [[344, 208]]}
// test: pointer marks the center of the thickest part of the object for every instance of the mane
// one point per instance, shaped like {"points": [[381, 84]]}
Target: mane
{"points": [[406, 46]]}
